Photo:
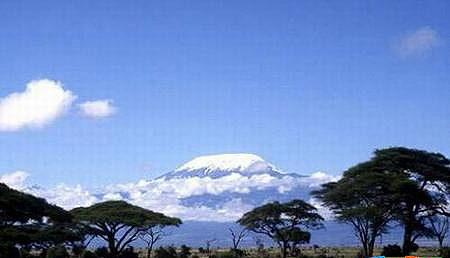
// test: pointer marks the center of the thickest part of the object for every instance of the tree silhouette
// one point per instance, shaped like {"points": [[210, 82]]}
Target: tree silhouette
{"points": [[279, 221], [119, 223]]}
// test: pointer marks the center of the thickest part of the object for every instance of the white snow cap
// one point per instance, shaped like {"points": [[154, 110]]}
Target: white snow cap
{"points": [[227, 162]]}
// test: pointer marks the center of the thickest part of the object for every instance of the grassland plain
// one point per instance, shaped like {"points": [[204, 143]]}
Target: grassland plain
{"points": [[335, 252]]}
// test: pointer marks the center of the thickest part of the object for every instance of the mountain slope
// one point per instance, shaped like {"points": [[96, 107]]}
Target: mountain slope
{"points": [[215, 166]]}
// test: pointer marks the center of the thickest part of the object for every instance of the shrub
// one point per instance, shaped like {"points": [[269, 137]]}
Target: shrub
{"points": [[102, 252], [88, 254], [414, 247], [9, 251], [238, 252], [444, 252], [391, 250], [57, 252], [185, 252], [227, 255], [78, 250], [168, 252], [129, 253]]}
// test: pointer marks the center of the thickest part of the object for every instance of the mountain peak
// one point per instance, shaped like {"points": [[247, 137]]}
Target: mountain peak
{"points": [[216, 166], [227, 162]]}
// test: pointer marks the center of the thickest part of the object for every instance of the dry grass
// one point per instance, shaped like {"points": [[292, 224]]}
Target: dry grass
{"points": [[337, 252]]}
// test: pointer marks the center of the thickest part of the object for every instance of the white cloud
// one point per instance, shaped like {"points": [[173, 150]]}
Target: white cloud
{"points": [[65, 196], [14, 180], [98, 108], [166, 195], [41, 102], [325, 212], [417, 43]]}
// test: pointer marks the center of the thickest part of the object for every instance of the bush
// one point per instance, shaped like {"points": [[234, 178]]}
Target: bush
{"points": [[102, 252], [392, 250], [444, 252], [238, 252], [57, 252], [168, 252], [129, 253], [185, 252], [9, 251], [414, 247], [88, 254], [78, 250]]}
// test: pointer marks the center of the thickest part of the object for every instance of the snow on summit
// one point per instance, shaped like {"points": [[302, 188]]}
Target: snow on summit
{"points": [[226, 162], [216, 166]]}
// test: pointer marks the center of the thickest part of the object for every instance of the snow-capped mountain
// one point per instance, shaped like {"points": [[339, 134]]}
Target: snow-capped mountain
{"points": [[216, 166], [208, 188]]}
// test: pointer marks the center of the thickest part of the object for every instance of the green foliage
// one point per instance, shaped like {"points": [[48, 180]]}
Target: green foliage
{"points": [[123, 213], [364, 198], [171, 252], [238, 252], [102, 252], [129, 253], [393, 185], [168, 252], [283, 222], [444, 252], [185, 252], [392, 250], [109, 219], [78, 250], [18, 209], [8, 250], [57, 252], [423, 170], [88, 254], [225, 255]]}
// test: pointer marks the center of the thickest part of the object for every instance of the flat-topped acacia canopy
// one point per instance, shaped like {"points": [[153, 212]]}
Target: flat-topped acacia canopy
{"points": [[19, 207], [119, 222]]}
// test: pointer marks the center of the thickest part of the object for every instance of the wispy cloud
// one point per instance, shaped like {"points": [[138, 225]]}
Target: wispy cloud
{"points": [[42, 102], [417, 43], [98, 108]]}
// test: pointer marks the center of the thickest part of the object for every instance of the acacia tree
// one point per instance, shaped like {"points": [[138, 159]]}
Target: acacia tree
{"points": [[119, 223], [237, 235], [279, 220], [18, 208], [439, 226], [401, 184], [153, 233], [428, 176], [363, 199], [28, 221]]}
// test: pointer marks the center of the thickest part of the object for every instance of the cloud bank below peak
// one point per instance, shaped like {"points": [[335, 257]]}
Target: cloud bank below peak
{"points": [[203, 199]]}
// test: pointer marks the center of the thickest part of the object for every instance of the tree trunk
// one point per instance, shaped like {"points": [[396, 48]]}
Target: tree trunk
{"points": [[441, 242], [284, 250], [149, 251], [407, 239], [371, 247], [112, 247]]}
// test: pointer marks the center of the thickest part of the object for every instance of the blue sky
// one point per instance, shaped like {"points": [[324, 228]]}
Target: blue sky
{"points": [[307, 85]]}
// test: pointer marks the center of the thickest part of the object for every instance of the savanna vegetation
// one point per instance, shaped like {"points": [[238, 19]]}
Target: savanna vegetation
{"points": [[397, 187]]}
